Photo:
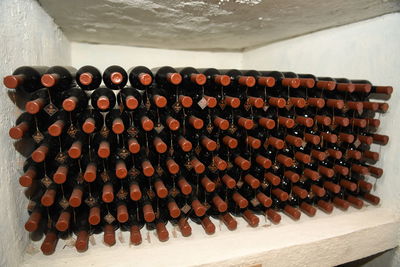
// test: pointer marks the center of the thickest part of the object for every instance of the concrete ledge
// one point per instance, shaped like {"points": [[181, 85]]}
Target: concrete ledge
{"points": [[324, 240]]}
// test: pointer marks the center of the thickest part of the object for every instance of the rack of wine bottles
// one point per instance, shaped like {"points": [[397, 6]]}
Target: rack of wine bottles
{"points": [[122, 150]]}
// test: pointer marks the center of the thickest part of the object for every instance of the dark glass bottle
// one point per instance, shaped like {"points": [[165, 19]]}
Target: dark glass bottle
{"points": [[88, 78], [115, 77]]}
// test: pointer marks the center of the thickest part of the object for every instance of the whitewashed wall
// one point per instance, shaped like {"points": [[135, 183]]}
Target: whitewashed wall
{"points": [[28, 37], [103, 56], [368, 49]]}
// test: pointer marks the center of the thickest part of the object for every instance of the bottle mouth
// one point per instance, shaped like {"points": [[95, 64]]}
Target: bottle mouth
{"points": [[199, 79], [223, 80], [145, 79], [49, 80], [86, 78], [13, 81], [174, 78], [116, 77]]}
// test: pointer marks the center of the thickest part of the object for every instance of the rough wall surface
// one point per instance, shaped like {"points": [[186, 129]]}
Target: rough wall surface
{"points": [[29, 37], [368, 49], [103, 56], [205, 24]]}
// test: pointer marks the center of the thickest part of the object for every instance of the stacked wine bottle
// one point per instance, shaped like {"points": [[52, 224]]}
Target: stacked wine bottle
{"points": [[185, 145]]}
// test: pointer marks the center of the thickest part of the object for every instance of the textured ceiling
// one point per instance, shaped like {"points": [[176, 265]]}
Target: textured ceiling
{"points": [[205, 25]]}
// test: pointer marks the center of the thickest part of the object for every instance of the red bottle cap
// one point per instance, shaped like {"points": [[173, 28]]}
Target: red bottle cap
{"points": [[116, 77], [354, 154], [300, 192], [161, 190], [287, 122], [246, 123], [104, 150], [336, 154], [32, 223], [211, 101], [334, 103], [374, 200], [229, 181], [133, 146], [253, 142], [285, 160], [324, 120], [348, 138], [184, 227], [120, 170], [298, 102], [272, 178], [27, 178], [40, 153], [377, 172], [147, 124], [94, 215], [242, 163], [266, 81], [184, 144], [75, 150], [86, 78], [75, 199], [328, 172], [174, 78], [358, 106], [356, 202], [148, 213], [172, 166], [341, 203], [103, 103], [240, 200], [316, 102], [108, 193], [263, 161], [49, 243], [56, 128], [264, 200], [49, 80], [221, 123], [383, 107], [256, 102], [145, 79], [273, 216], [341, 169], [131, 102], [17, 132], [248, 81], [134, 192], [387, 90], [363, 88], [373, 122], [332, 138], [109, 235], [229, 221], [335, 188], [280, 194], [90, 172], [311, 138], [371, 155], [313, 175], [345, 87], [160, 101], [174, 210], [230, 142], [362, 123], [184, 186], [13, 81], [302, 157], [307, 82], [196, 122], [208, 226], [250, 218], [197, 166], [122, 214], [328, 85], [48, 197], [292, 176], [89, 126], [223, 80], [308, 122], [209, 144], [220, 163], [318, 154], [186, 101], [118, 126], [277, 102], [325, 206], [294, 140], [160, 146], [267, 123], [60, 176], [275, 142], [252, 181], [380, 139], [198, 208], [70, 103], [34, 106], [233, 102], [307, 209], [81, 243], [342, 121], [63, 221], [172, 124], [147, 168], [291, 82], [348, 185], [319, 191], [219, 203], [199, 79]]}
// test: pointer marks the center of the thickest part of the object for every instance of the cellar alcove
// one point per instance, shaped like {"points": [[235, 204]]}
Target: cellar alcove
{"points": [[362, 49]]}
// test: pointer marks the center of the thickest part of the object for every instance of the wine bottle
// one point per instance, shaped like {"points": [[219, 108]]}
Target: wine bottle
{"points": [[60, 78], [88, 78], [74, 99], [140, 77], [129, 98], [115, 77], [26, 78]]}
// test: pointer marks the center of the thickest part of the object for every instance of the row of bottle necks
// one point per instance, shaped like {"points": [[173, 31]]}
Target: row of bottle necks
{"points": [[178, 207]]}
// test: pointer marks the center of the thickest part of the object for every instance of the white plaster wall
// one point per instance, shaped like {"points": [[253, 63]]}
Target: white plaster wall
{"points": [[103, 56], [370, 50], [28, 37]]}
